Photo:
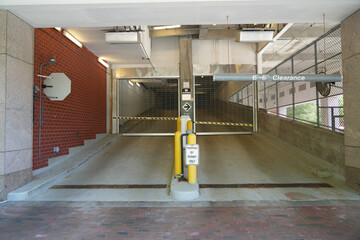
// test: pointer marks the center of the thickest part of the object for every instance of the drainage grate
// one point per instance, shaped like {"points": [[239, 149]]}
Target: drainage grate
{"points": [[112, 186], [268, 185]]}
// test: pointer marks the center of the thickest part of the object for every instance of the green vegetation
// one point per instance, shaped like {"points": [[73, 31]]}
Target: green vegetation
{"points": [[341, 104], [304, 113]]}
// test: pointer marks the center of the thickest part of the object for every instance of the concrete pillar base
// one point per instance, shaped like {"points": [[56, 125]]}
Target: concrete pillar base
{"points": [[184, 191]]}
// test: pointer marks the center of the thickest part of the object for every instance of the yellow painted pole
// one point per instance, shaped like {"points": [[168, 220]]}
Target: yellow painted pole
{"points": [[178, 154], [189, 125], [192, 178], [178, 120]]}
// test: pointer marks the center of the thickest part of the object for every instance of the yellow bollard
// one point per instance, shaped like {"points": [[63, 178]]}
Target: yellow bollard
{"points": [[189, 125], [178, 154], [192, 168], [178, 121]]}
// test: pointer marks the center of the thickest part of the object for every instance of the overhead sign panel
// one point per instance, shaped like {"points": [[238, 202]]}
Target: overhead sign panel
{"points": [[278, 78]]}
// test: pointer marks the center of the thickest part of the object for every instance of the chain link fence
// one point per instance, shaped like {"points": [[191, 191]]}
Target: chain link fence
{"points": [[211, 106], [301, 101]]}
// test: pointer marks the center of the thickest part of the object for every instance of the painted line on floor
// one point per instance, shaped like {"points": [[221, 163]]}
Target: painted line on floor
{"points": [[268, 185], [110, 186], [160, 186]]}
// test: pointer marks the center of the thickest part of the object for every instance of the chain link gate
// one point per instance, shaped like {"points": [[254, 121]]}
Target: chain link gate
{"points": [[216, 108]]}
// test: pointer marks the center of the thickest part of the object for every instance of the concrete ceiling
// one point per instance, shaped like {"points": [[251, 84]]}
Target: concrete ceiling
{"points": [[294, 39], [100, 13], [85, 19]]}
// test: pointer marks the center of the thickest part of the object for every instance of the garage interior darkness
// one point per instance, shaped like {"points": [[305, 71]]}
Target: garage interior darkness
{"points": [[104, 132]]}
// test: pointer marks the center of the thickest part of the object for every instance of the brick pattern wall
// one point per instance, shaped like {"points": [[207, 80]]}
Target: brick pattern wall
{"points": [[82, 114]]}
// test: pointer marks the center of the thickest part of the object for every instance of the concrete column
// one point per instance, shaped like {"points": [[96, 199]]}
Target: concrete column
{"points": [[108, 101], [186, 71], [114, 102], [350, 37], [16, 103], [186, 66]]}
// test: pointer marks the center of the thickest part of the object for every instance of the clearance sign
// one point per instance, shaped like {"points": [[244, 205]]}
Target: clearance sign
{"points": [[278, 78]]}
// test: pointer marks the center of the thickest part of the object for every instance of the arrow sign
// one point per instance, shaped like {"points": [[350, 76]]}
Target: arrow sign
{"points": [[186, 107]]}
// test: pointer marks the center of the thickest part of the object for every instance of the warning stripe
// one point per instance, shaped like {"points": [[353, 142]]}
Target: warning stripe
{"points": [[197, 122], [145, 118], [225, 124]]}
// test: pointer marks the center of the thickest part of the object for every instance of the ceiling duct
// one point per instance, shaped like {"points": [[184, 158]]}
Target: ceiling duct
{"points": [[256, 35], [122, 37]]}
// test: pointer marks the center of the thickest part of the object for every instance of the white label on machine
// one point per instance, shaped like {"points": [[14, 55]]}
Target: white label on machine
{"points": [[192, 154], [186, 97]]}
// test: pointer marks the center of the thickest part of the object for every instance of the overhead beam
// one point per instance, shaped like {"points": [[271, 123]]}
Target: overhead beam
{"points": [[172, 32], [203, 33]]}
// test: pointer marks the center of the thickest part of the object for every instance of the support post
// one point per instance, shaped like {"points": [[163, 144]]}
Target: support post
{"points": [[178, 171], [293, 89], [189, 125], [317, 93], [178, 122], [277, 96], [265, 99], [255, 106], [192, 168]]}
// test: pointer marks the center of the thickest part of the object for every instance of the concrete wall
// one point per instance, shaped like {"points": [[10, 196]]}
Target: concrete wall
{"points": [[134, 100], [16, 81], [210, 52], [322, 143], [350, 38]]}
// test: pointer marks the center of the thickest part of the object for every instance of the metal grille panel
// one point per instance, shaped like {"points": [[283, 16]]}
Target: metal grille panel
{"points": [[148, 98], [218, 102]]}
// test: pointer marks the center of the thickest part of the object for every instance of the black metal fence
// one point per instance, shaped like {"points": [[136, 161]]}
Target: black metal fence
{"points": [[301, 101]]}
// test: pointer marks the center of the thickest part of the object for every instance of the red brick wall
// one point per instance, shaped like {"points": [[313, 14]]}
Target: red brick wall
{"points": [[83, 111]]}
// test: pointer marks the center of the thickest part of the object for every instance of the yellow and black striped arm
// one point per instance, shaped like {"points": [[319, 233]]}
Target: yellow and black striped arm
{"points": [[225, 124], [145, 118], [197, 122]]}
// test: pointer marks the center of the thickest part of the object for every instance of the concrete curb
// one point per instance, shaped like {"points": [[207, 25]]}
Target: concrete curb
{"points": [[48, 178], [184, 191]]}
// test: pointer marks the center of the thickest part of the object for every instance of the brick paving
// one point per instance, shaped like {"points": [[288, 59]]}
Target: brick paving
{"points": [[295, 223]]}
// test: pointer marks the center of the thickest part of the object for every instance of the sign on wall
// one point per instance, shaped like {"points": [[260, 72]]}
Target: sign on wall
{"points": [[192, 154]]}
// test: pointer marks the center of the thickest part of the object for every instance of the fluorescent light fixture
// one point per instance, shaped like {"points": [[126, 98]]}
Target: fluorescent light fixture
{"points": [[72, 38], [137, 84], [58, 28], [102, 61], [131, 83], [166, 27]]}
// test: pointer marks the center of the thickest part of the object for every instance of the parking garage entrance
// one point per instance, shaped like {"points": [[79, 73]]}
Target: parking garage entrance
{"points": [[149, 107], [212, 106], [155, 99]]}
